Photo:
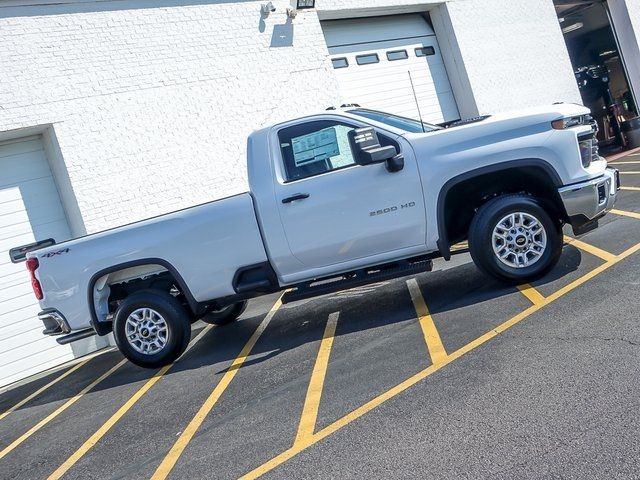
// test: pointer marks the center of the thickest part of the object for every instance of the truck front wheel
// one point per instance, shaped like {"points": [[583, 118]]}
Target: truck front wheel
{"points": [[513, 239], [151, 328]]}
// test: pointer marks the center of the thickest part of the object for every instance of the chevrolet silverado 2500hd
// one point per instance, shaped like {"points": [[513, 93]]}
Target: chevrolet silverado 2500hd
{"points": [[338, 199]]}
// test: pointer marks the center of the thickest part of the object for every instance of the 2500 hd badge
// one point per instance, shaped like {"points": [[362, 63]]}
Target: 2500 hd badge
{"points": [[392, 209]]}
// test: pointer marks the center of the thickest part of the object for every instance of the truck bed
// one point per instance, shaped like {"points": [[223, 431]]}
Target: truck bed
{"points": [[206, 244]]}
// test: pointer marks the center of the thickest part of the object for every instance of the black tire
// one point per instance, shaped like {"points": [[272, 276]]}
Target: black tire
{"points": [[481, 233], [226, 315], [177, 321]]}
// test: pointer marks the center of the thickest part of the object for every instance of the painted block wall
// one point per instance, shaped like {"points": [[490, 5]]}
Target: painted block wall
{"points": [[151, 102], [513, 53]]}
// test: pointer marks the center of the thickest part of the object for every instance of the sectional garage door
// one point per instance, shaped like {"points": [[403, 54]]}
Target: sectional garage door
{"points": [[372, 58], [30, 209]]}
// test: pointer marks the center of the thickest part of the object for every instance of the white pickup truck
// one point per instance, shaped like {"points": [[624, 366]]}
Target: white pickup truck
{"points": [[338, 199]]}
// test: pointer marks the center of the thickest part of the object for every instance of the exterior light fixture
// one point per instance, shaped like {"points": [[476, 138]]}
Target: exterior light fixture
{"points": [[299, 5]]}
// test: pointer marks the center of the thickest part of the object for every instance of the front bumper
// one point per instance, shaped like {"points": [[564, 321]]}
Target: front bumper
{"points": [[586, 202]]}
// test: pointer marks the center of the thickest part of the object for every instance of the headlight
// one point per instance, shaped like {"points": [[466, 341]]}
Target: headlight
{"points": [[569, 122], [586, 151]]}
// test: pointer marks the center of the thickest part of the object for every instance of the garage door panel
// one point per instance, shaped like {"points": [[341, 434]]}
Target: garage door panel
{"points": [[23, 168], [17, 147], [11, 279], [19, 326], [30, 210], [47, 354], [383, 28], [386, 85], [23, 233], [17, 291], [16, 302]]}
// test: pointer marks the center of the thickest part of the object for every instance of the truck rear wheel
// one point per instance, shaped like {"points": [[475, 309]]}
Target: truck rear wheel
{"points": [[151, 328], [225, 315], [513, 239]]}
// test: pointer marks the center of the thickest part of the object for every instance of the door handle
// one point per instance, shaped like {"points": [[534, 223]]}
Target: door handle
{"points": [[297, 196]]}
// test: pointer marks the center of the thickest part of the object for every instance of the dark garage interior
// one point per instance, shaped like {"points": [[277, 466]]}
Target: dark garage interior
{"points": [[600, 71]]}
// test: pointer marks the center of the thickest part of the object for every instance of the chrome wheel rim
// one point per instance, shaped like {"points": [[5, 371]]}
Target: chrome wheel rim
{"points": [[146, 331], [519, 240]]}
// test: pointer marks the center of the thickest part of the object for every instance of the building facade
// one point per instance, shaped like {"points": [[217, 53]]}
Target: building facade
{"points": [[112, 111]]}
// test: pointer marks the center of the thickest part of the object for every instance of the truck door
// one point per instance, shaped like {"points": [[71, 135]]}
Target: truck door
{"points": [[336, 212]]}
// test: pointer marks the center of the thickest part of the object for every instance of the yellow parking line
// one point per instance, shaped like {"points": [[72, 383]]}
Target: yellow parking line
{"points": [[174, 454], [532, 294], [401, 387], [629, 173], [59, 410], [628, 162], [431, 336], [45, 387], [626, 214], [633, 189], [314, 392], [101, 432], [598, 252]]}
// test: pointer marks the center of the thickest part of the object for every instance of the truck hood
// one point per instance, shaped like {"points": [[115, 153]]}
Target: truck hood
{"points": [[511, 120]]}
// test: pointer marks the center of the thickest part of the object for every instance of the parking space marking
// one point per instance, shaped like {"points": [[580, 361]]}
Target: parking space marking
{"points": [[626, 162], [532, 294], [44, 387], [101, 432], [598, 252], [314, 392], [633, 189], [628, 173], [624, 213], [174, 454], [60, 409], [406, 384], [431, 336]]}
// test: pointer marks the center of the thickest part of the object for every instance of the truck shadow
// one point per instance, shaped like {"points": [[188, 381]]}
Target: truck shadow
{"points": [[296, 325]]}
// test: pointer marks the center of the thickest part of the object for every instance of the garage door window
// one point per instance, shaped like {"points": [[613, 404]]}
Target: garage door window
{"points": [[340, 62], [425, 51], [397, 55], [314, 148], [367, 59]]}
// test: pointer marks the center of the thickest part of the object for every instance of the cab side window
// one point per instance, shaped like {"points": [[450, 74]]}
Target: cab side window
{"points": [[313, 148]]}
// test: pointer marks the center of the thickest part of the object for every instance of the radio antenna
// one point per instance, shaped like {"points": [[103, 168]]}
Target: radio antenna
{"points": [[415, 97]]}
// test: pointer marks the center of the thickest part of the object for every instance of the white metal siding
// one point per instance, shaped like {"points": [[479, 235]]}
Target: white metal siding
{"points": [[30, 210], [386, 85]]}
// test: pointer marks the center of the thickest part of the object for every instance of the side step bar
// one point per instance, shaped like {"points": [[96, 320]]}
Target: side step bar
{"points": [[358, 278], [79, 335]]}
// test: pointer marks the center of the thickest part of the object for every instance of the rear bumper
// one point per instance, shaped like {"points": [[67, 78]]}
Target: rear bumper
{"points": [[54, 322], [586, 202]]}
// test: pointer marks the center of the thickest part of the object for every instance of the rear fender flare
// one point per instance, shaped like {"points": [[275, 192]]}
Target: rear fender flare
{"points": [[103, 328]]}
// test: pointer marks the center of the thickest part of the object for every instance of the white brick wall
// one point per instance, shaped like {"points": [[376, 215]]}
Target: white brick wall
{"points": [[513, 53], [152, 106], [633, 7]]}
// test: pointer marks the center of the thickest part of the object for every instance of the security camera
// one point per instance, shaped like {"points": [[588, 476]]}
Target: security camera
{"points": [[267, 8]]}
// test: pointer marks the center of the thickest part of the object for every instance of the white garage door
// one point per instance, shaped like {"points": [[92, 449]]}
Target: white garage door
{"points": [[372, 58], [30, 210]]}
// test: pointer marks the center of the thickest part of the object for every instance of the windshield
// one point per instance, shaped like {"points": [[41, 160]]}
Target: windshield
{"points": [[408, 124]]}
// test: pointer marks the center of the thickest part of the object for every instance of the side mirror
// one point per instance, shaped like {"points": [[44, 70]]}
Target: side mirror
{"points": [[367, 149]]}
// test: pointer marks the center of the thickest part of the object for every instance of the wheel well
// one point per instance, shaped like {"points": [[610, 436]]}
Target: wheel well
{"points": [[112, 288], [463, 198]]}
